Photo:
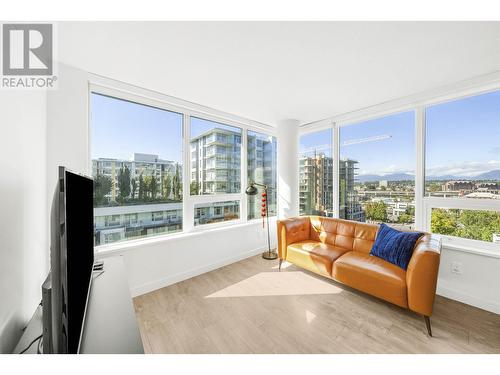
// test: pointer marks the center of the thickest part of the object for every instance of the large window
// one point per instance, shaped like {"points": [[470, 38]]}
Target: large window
{"points": [[137, 169], [463, 148], [377, 170], [316, 174], [261, 168], [160, 169], [215, 158], [462, 159]]}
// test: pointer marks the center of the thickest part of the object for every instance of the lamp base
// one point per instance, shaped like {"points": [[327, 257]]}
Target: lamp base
{"points": [[270, 255]]}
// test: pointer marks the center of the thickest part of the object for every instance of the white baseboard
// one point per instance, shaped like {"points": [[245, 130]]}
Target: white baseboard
{"points": [[446, 290], [172, 279]]}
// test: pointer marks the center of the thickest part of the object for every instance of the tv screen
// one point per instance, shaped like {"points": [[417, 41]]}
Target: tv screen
{"points": [[72, 257]]}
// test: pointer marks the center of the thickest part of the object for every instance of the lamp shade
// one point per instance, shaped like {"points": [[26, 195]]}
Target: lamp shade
{"points": [[251, 190]]}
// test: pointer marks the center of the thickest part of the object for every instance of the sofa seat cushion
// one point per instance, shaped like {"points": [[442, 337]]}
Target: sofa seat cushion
{"points": [[372, 275], [314, 256]]}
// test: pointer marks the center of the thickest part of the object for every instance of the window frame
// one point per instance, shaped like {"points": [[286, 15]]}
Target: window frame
{"points": [[418, 104], [275, 214], [119, 90]]}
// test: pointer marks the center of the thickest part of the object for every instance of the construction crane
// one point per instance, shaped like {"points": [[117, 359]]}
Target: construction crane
{"points": [[328, 147], [365, 140]]}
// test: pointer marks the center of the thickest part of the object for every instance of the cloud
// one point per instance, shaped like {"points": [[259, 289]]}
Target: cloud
{"points": [[465, 169]]}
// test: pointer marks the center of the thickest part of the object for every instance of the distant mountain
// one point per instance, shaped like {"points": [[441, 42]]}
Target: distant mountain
{"points": [[491, 175], [387, 177]]}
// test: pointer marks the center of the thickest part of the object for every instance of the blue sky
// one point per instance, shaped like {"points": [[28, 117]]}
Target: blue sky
{"points": [[463, 139], [120, 128]]}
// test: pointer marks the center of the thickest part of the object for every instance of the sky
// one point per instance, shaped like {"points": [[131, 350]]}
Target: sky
{"points": [[120, 128], [462, 139], [462, 136]]}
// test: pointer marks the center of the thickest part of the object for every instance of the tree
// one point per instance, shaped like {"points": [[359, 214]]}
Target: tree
{"points": [[376, 211], [444, 221], [141, 188], [177, 184], [167, 185], [124, 182], [134, 187], [147, 188], [405, 218], [194, 188], [153, 186], [102, 187]]}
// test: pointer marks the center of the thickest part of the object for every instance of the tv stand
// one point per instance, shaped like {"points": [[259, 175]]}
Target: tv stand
{"points": [[110, 323]]}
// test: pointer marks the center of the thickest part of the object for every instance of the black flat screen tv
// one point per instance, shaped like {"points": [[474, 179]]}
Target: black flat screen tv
{"points": [[72, 258]]}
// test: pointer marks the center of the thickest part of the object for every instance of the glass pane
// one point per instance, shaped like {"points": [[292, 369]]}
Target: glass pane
{"points": [[261, 156], [472, 224], [377, 170], [215, 158], [208, 213], [316, 174], [137, 169], [463, 148]]}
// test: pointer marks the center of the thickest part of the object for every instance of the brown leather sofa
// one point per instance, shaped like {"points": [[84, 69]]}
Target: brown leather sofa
{"points": [[340, 249]]}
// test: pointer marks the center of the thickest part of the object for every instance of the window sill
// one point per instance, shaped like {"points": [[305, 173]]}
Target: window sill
{"points": [[472, 249], [122, 247]]}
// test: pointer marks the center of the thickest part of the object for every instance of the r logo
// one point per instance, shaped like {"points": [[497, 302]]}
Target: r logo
{"points": [[27, 49]]}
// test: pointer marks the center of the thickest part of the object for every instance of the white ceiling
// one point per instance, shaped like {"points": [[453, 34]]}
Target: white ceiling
{"points": [[278, 70]]}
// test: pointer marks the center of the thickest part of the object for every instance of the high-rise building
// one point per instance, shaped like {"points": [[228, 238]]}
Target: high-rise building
{"points": [[216, 162], [316, 185], [349, 207]]}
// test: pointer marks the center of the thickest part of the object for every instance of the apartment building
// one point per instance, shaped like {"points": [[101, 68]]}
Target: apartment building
{"points": [[215, 162], [141, 166]]}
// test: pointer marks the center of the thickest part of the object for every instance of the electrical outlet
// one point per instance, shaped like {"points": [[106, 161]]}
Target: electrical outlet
{"points": [[457, 267]]}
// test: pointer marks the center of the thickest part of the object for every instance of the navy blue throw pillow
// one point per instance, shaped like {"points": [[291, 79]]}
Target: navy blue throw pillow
{"points": [[395, 246]]}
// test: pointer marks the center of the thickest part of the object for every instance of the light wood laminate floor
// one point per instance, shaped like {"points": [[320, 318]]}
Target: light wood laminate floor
{"points": [[250, 307]]}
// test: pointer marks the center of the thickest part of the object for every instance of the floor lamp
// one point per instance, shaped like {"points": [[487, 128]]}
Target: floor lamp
{"points": [[252, 190]]}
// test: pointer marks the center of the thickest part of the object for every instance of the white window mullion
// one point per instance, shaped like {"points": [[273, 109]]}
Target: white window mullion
{"points": [[187, 202], [244, 176], [420, 221], [336, 170]]}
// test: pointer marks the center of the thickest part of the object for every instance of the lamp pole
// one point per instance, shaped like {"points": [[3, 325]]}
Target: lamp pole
{"points": [[269, 254]]}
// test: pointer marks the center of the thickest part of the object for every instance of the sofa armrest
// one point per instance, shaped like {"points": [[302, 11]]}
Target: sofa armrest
{"points": [[292, 230], [422, 273]]}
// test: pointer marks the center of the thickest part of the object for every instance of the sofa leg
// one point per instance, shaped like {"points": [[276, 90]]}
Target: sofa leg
{"points": [[428, 324], [279, 264]]}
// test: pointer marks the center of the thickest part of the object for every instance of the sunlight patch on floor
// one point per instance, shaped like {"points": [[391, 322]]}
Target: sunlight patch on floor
{"points": [[277, 284], [310, 316]]}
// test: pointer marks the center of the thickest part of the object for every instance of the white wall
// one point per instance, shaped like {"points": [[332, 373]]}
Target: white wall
{"points": [[161, 263], [479, 283], [24, 215]]}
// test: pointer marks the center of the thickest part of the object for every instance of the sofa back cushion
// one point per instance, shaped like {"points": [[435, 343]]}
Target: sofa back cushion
{"points": [[349, 235]]}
